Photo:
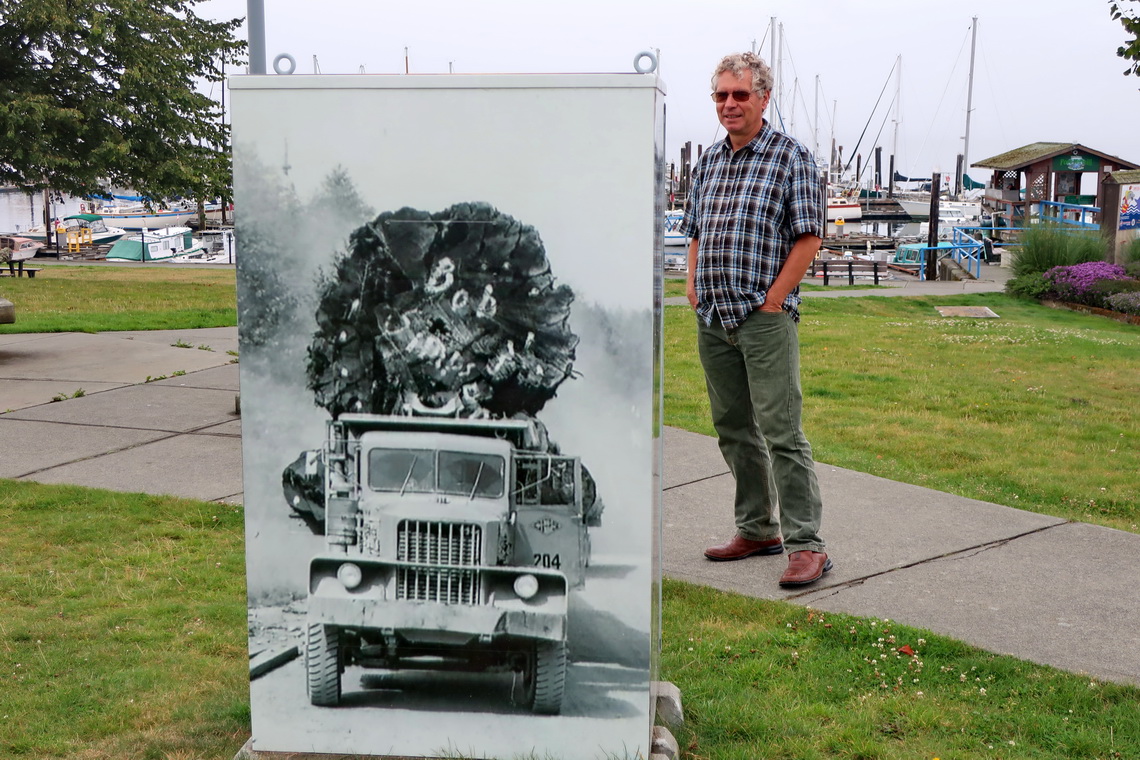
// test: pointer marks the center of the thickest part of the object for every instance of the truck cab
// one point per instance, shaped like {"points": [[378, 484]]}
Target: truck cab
{"points": [[450, 544]]}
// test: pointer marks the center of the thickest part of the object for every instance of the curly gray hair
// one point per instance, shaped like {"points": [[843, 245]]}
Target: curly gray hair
{"points": [[741, 64]]}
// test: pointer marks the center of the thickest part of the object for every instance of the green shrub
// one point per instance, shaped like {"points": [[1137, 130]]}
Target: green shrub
{"points": [[1126, 303], [1131, 252], [1045, 246], [1101, 290], [1032, 286]]}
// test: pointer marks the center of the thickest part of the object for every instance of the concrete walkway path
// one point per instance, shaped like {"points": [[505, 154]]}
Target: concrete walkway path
{"points": [[1040, 588]]}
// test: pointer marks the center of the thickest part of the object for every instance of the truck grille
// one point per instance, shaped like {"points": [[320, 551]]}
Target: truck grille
{"points": [[450, 547]]}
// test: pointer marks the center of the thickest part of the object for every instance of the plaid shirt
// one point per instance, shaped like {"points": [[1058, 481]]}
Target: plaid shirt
{"points": [[746, 208]]}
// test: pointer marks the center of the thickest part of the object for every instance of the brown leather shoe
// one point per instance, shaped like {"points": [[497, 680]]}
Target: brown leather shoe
{"points": [[805, 567], [739, 547]]}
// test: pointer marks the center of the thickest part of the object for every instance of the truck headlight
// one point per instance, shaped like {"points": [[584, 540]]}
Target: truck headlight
{"points": [[526, 586], [350, 575]]}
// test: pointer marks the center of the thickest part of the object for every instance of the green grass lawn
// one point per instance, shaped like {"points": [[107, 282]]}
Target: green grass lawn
{"points": [[124, 636], [103, 298], [1034, 410], [124, 630]]}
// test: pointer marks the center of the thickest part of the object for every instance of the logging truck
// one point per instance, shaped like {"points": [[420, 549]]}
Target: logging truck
{"points": [[451, 545]]}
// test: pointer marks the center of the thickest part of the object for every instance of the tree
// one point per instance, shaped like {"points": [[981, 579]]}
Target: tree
{"points": [[1131, 24], [101, 93]]}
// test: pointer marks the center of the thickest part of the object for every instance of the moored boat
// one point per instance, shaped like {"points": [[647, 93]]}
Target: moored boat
{"points": [[136, 216], [155, 245], [101, 234], [841, 207], [918, 207], [673, 236], [15, 248]]}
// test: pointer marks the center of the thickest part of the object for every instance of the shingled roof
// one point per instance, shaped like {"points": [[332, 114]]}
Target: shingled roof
{"points": [[1020, 158]]}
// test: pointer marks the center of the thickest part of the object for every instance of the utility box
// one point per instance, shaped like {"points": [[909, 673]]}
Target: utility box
{"points": [[449, 306]]}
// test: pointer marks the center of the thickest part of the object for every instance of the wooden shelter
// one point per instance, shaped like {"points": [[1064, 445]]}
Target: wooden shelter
{"points": [[1046, 171]]}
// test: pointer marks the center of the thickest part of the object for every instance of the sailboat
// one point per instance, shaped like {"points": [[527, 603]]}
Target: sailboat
{"points": [[917, 204]]}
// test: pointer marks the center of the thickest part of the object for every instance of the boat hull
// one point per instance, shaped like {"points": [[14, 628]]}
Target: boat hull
{"points": [[848, 212], [20, 248], [159, 245], [920, 209]]}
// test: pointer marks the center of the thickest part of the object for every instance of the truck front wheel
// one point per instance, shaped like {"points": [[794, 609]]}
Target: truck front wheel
{"points": [[322, 663], [548, 677]]}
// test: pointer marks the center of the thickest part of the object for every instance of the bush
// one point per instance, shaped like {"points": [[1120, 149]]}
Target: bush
{"points": [[1103, 289], [1125, 303], [1131, 252], [1045, 246], [1032, 286], [1080, 283]]}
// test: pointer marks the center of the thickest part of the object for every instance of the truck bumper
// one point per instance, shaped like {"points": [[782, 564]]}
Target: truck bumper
{"points": [[493, 611]]}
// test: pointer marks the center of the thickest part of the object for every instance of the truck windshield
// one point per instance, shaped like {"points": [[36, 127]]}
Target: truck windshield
{"points": [[471, 474], [401, 470]]}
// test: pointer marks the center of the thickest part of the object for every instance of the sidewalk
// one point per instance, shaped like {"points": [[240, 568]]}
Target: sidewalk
{"points": [[1037, 587]]}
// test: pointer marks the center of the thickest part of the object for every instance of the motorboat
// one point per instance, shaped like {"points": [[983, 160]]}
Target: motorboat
{"points": [[842, 207], [917, 206], [14, 248], [101, 234], [673, 235], [155, 245]]}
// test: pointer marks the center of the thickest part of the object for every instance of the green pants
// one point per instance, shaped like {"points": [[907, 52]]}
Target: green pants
{"points": [[753, 377]]}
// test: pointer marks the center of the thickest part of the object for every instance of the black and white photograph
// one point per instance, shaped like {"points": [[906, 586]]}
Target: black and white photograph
{"points": [[447, 297]]}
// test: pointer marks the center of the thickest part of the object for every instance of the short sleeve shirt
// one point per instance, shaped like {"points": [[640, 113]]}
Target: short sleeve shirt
{"points": [[746, 208]]}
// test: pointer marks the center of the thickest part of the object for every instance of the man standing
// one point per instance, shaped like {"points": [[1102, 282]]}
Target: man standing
{"points": [[755, 216]]}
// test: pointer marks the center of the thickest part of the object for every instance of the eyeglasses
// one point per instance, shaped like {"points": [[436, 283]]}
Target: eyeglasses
{"points": [[739, 96]]}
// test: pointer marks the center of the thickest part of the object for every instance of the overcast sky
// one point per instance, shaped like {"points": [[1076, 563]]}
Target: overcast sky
{"points": [[1045, 70]]}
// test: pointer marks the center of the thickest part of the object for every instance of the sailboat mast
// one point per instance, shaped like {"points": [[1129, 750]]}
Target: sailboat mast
{"points": [[898, 98], [815, 122], [969, 105], [895, 137]]}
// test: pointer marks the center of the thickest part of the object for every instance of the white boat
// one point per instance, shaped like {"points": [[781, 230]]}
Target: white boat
{"points": [[155, 245], [918, 207], [217, 247], [17, 248], [673, 236], [841, 207], [101, 234], [136, 216]]}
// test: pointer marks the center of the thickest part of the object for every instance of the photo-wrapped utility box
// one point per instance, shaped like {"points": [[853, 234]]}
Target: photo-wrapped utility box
{"points": [[449, 300]]}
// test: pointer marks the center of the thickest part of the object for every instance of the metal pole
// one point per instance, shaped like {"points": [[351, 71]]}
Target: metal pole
{"points": [[255, 28]]}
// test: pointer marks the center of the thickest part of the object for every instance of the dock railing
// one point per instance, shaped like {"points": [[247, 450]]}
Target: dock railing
{"points": [[1068, 214]]}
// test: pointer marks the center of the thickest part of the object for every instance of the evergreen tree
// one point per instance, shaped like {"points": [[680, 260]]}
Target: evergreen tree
{"points": [[99, 93]]}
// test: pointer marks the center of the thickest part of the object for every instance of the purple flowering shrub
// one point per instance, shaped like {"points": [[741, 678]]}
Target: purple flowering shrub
{"points": [[1079, 283], [1126, 303]]}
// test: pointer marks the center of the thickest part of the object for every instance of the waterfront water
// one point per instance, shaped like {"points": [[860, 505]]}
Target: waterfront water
{"points": [[20, 211]]}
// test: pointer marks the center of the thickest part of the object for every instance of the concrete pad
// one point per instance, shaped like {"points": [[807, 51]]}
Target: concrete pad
{"points": [[872, 525], [221, 378], [689, 457], [20, 394], [7, 339], [205, 467], [27, 447], [220, 339], [1065, 597], [233, 427], [148, 407], [84, 357]]}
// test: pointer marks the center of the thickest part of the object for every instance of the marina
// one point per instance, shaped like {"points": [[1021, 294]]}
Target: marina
{"points": [[82, 234]]}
